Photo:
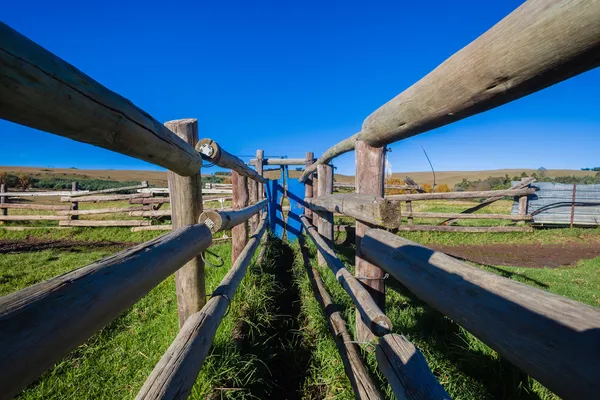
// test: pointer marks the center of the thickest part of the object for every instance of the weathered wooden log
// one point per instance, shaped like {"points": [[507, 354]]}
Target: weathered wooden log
{"points": [[367, 208], [39, 90], [224, 220], [325, 218], [406, 370], [353, 185], [100, 211], [279, 161], [337, 149], [186, 207], [541, 43], [461, 195], [358, 375], [370, 175], [308, 187], [104, 223], [42, 323], [239, 232], [466, 229], [3, 210], [509, 217], [29, 228], [34, 206], [176, 372], [260, 154], [74, 203], [550, 337], [143, 185], [158, 213], [214, 153], [409, 210], [44, 194], [114, 197], [375, 319], [150, 200], [33, 217], [152, 228], [525, 183]]}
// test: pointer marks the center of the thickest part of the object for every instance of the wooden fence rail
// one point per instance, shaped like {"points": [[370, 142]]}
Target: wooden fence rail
{"points": [[80, 108], [550, 337], [375, 319], [223, 220], [211, 151], [541, 43], [367, 208], [175, 373], [461, 195], [43, 322]]}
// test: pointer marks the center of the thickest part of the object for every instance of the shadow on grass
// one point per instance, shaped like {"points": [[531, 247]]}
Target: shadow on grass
{"points": [[283, 356]]}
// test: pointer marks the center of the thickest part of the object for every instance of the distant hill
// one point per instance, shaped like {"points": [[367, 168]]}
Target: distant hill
{"points": [[159, 178]]}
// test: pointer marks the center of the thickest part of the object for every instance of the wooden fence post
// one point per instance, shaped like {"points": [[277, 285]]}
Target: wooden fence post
{"points": [[75, 204], [370, 172], [186, 206], [256, 190], [308, 186], [410, 220], [325, 219], [3, 199], [239, 233]]}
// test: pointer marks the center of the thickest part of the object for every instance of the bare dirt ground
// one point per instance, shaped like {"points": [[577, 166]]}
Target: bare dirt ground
{"points": [[33, 244], [526, 255]]}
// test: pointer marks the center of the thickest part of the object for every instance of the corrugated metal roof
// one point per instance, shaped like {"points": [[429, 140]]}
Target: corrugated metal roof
{"points": [[551, 204]]}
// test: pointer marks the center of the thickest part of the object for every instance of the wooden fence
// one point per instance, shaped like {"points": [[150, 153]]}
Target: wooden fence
{"points": [[551, 338]]}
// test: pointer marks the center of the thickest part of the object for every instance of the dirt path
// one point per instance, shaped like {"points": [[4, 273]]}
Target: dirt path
{"points": [[33, 244], [525, 255]]}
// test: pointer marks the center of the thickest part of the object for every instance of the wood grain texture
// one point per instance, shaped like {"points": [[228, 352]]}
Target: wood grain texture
{"points": [[3, 202], [34, 206], [461, 195], [114, 197], [112, 190], [100, 211], [508, 217], [150, 213], [39, 90], [552, 338], [370, 174], [337, 149], [308, 186], [218, 220], [82, 222], [239, 233], [325, 218], [44, 322], [279, 161], [33, 217], [186, 207], [541, 43], [176, 372], [525, 183], [376, 320], [409, 210], [211, 151], [407, 371], [364, 207], [362, 384], [74, 203]]}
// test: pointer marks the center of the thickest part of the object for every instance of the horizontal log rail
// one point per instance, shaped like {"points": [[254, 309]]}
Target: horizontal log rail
{"points": [[367, 208], [489, 201], [280, 161], [151, 213], [176, 372], [44, 322], [40, 90], [550, 337], [32, 217], [541, 43], [37, 207], [223, 220], [461, 195], [403, 187], [406, 370], [114, 197], [81, 222], [164, 200], [465, 229], [358, 375], [212, 152], [143, 185], [510, 217], [372, 315], [100, 211], [42, 194]]}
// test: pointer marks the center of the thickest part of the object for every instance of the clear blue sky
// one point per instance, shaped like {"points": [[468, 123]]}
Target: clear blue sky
{"points": [[290, 77]]}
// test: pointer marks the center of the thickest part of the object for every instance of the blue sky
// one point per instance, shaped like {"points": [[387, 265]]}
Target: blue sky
{"points": [[291, 77]]}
